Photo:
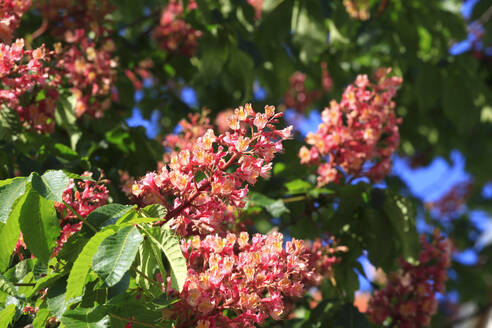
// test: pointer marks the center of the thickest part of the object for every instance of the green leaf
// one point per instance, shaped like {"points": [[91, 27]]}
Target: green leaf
{"points": [[115, 255], [401, 213], [9, 234], [85, 318], [80, 270], [168, 242], [50, 185], [275, 207], [107, 215], [44, 282], [155, 211], [7, 315], [9, 193], [298, 186], [7, 287], [41, 317], [39, 225], [148, 266]]}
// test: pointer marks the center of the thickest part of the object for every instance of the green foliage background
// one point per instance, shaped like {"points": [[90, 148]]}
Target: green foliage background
{"points": [[445, 103]]}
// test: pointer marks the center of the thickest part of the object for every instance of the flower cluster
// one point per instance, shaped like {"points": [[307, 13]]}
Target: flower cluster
{"points": [[71, 15], [211, 179], [174, 34], [409, 298], [26, 85], [90, 70], [359, 134], [11, 12], [251, 280], [358, 9], [451, 203], [190, 130], [82, 197], [297, 96], [85, 58]]}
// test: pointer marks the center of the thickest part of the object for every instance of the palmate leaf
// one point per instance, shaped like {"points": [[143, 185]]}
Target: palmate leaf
{"points": [[39, 224], [80, 270], [50, 185], [6, 316], [115, 255], [168, 242], [9, 193], [85, 318]]}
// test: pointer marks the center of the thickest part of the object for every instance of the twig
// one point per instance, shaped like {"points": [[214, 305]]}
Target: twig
{"points": [[155, 282], [24, 284]]}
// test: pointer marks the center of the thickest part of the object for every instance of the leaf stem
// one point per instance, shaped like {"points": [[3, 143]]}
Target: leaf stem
{"points": [[154, 282], [294, 199], [24, 284]]}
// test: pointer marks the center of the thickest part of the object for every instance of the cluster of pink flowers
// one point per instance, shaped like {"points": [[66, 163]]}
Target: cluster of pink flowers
{"points": [[453, 202], [250, 280], [174, 34], [70, 15], [409, 298], [11, 12], [85, 59], [212, 178], [191, 129], [359, 134], [91, 71], [83, 197], [297, 96], [26, 85], [358, 9]]}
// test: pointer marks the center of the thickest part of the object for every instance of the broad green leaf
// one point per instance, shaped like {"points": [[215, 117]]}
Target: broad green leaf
{"points": [[44, 282], [275, 207], [85, 318], [402, 216], [168, 242], [78, 275], [7, 315], [148, 266], [39, 225], [155, 211], [55, 298], [7, 287], [50, 185], [107, 215], [9, 234], [9, 193], [40, 319], [298, 186], [115, 255]]}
